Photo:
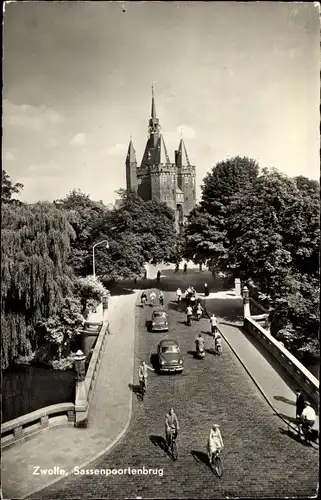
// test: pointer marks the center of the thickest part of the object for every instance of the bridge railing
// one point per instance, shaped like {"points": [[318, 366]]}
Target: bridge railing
{"points": [[26, 425], [296, 370], [74, 414], [85, 388]]}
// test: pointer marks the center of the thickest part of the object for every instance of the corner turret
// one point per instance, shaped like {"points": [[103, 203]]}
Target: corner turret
{"points": [[131, 168]]}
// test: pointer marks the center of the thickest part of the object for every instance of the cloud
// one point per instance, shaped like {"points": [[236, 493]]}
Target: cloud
{"points": [[49, 168], [9, 156], [79, 139], [187, 132], [29, 117], [117, 149]]}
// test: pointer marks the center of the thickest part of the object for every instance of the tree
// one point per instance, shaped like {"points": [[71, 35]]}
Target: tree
{"points": [[138, 232], [207, 231], [270, 230], [276, 241], [84, 215], [35, 275], [8, 188]]}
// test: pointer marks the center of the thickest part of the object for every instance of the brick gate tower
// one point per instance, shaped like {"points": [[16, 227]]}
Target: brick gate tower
{"points": [[157, 177]]}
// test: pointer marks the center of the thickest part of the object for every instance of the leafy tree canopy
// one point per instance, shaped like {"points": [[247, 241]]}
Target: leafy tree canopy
{"points": [[35, 276], [8, 188]]}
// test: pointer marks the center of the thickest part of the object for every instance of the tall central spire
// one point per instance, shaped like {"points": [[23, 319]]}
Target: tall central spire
{"points": [[153, 124], [153, 113]]}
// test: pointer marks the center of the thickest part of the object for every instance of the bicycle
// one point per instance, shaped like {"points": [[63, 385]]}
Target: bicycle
{"points": [[172, 446], [142, 386], [216, 464]]}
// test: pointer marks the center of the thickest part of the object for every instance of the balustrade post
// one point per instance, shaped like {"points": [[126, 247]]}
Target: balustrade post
{"points": [[246, 302]]}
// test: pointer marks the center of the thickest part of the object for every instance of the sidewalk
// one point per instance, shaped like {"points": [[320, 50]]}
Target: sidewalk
{"points": [[109, 415], [273, 381]]}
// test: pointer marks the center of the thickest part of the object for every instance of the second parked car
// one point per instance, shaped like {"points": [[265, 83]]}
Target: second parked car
{"points": [[159, 321]]}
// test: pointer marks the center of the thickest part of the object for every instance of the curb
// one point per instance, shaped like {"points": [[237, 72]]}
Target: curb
{"points": [[105, 450], [255, 382]]}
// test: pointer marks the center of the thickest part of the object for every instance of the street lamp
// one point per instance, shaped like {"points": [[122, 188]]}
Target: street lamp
{"points": [[107, 246]]}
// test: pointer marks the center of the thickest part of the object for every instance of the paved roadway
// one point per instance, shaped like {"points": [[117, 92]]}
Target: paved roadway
{"points": [[259, 461]]}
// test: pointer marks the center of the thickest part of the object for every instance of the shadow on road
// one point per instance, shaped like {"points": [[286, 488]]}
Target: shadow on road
{"points": [[295, 436], [284, 400], [134, 388], [159, 441], [192, 353], [200, 457]]}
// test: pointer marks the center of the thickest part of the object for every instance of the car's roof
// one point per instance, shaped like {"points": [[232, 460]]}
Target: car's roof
{"points": [[167, 342]]}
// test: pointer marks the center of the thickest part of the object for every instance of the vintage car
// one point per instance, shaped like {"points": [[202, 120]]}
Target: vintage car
{"points": [[169, 357], [159, 322]]}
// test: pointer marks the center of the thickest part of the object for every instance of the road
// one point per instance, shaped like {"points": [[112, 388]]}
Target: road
{"points": [[259, 460]]}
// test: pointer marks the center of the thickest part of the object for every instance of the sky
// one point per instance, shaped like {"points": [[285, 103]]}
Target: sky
{"points": [[233, 78]]}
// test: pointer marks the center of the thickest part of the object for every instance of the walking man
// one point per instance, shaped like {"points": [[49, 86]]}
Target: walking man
{"points": [[300, 403]]}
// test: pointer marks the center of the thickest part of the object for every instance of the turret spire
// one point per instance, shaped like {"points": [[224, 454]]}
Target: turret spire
{"points": [[181, 155]]}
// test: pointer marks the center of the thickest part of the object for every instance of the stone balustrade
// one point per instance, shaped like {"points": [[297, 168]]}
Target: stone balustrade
{"points": [[23, 427], [74, 414], [295, 369], [85, 388]]}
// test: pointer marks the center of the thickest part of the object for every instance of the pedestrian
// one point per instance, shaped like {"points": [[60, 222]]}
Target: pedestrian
{"points": [[206, 290], [145, 274], [185, 268], [158, 276], [300, 403], [177, 267]]}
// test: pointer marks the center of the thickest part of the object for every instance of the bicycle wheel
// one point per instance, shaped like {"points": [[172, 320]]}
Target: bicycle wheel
{"points": [[218, 467], [174, 451]]}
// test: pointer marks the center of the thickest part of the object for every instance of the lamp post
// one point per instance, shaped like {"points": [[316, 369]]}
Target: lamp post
{"points": [[107, 246]]}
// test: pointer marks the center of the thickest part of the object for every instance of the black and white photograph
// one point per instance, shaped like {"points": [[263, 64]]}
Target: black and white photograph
{"points": [[160, 250]]}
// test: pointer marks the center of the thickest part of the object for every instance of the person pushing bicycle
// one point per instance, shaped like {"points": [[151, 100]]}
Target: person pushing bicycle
{"points": [[143, 374], [171, 426], [215, 442]]}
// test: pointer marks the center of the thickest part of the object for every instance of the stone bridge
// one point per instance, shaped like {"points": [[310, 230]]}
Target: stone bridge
{"points": [[121, 452]]}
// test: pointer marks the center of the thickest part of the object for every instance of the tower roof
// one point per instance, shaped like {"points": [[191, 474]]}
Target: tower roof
{"points": [[182, 156], [155, 154], [161, 154], [131, 154]]}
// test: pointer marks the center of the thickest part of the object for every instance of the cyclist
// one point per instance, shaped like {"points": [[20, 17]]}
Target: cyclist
{"points": [[179, 294], [171, 427], [217, 342], [161, 298], [189, 313], [213, 322], [199, 311], [152, 297], [199, 342], [143, 298], [307, 417], [215, 442]]}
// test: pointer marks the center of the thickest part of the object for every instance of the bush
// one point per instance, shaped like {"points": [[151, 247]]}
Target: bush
{"points": [[90, 288], [63, 363]]}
